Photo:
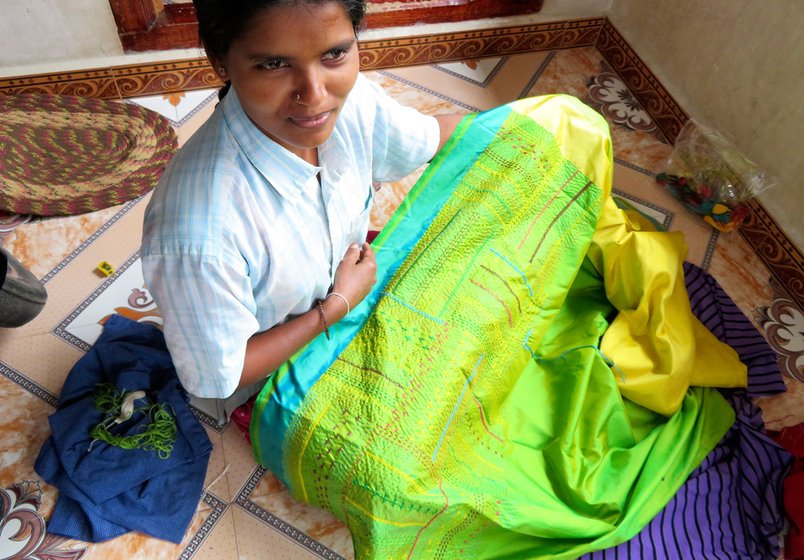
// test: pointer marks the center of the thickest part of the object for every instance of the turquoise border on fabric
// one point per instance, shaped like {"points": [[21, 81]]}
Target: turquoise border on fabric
{"points": [[276, 405]]}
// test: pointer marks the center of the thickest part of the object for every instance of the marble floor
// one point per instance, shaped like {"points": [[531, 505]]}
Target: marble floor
{"points": [[244, 511]]}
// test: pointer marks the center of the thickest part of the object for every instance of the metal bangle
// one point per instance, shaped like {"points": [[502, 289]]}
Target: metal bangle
{"points": [[346, 301]]}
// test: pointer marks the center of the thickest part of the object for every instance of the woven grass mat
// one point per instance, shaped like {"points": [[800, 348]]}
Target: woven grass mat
{"points": [[63, 155]]}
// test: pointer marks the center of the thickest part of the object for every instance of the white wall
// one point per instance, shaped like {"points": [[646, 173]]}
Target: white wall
{"points": [[45, 31], [737, 65]]}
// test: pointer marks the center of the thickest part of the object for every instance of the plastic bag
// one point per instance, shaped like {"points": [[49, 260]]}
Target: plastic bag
{"points": [[711, 177]]}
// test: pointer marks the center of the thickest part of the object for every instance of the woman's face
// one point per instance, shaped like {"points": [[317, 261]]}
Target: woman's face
{"points": [[292, 68]]}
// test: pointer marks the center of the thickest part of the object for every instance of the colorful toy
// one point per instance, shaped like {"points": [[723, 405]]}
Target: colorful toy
{"points": [[704, 201], [711, 177]]}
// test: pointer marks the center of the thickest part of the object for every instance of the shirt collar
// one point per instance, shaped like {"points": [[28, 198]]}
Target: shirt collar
{"points": [[283, 170]]}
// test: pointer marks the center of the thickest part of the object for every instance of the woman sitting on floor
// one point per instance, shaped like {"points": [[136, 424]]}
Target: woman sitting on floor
{"points": [[255, 239]]}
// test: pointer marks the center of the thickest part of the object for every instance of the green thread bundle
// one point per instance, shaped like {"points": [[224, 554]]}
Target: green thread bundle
{"points": [[158, 434]]}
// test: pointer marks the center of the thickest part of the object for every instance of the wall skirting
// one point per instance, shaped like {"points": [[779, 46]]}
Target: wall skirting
{"points": [[156, 78]]}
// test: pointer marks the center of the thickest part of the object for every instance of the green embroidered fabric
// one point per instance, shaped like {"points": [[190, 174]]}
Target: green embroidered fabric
{"points": [[464, 410]]}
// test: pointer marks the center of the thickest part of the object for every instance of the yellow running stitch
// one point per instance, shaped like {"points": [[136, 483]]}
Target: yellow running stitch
{"points": [[467, 445], [396, 470], [379, 519], [306, 442]]}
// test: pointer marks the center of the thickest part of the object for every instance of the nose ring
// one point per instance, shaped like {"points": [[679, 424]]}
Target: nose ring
{"points": [[298, 97]]}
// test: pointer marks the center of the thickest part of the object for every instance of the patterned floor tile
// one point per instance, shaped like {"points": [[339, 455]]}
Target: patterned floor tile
{"points": [[178, 107], [609, 95], [478, 72], [24, 534]]}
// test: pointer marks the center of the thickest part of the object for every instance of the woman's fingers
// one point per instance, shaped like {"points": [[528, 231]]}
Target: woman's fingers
{"points": [[353, 253], [357, 273], [367, 254], [356, 254]]}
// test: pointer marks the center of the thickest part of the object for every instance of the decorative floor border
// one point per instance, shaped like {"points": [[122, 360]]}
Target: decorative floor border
{"points": [[448, 47], [28, 385], [243, 500], [94, 237], [217, 509], [119, 82], [775, 249], [780, 255]]}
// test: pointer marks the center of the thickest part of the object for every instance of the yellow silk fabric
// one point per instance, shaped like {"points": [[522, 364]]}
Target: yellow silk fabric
{"points": [[579, 131], [657, 343]]}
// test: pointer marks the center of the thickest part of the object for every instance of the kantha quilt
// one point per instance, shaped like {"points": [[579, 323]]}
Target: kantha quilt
{"points": [[525, 380]]}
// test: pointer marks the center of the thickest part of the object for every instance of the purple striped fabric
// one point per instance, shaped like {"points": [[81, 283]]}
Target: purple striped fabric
{"points": [[730, 506], [715, 309]]}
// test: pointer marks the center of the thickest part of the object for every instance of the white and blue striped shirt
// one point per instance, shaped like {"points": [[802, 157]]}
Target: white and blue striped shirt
{"points": [[240, 235]]}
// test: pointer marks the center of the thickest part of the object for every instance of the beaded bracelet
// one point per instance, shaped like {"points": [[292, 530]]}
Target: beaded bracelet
{"points": [[346, 301], [323, 318]]}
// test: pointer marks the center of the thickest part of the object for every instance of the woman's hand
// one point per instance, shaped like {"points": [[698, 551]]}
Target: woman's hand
{"points": [[355, 276], [268, 350]]}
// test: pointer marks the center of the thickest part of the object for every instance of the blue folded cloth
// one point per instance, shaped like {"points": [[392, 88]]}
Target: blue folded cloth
{"points": [[106, 491]]}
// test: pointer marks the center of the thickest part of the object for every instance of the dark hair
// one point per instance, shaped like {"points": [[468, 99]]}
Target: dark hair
{"points": [[220, 22]]}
